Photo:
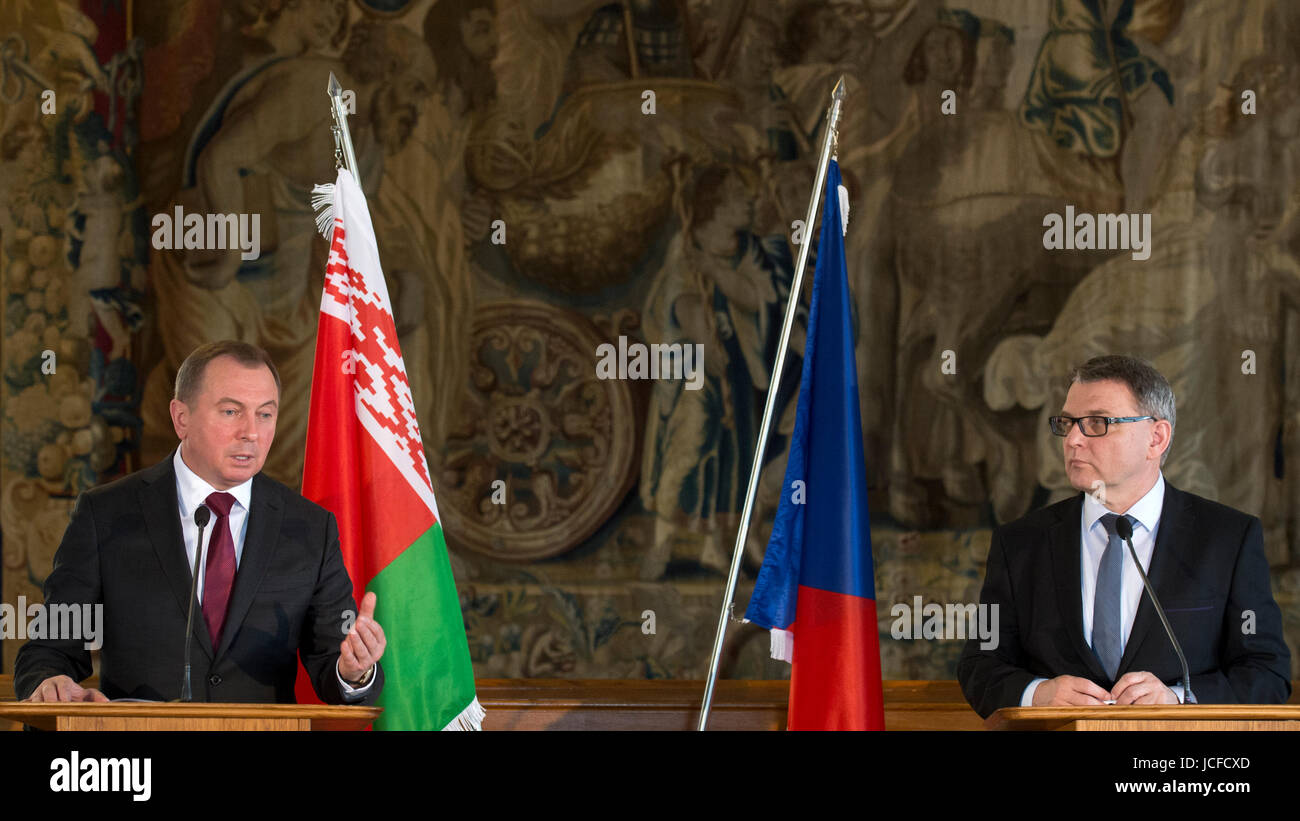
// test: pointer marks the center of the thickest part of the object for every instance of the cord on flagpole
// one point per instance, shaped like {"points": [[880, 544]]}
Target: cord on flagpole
{"points": [[796, 289], [342, 136], [322, 194]]}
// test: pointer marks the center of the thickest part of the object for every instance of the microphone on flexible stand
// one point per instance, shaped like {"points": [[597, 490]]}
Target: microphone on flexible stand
{"points": [[1125, 531], [201, 518]]}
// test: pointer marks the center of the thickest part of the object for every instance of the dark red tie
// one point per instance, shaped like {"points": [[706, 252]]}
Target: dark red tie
{"points": [[219, 572]]}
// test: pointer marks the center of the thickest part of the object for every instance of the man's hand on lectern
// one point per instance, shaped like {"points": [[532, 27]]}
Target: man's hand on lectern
{"points": [[364, 645], [1142, 688], [63, 688], [1064, 691]]}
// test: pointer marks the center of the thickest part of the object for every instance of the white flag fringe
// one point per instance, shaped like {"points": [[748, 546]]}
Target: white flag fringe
{"points": [[322, 202], [470, 719], [783, 645]]}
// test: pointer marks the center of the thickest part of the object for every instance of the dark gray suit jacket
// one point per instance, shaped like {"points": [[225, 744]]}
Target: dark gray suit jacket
{"points": [[1208, 569], [123, 547]]}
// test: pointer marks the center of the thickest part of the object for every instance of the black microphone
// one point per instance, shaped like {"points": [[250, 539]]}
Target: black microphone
{"points": [[1125, 531], [201, 518]]}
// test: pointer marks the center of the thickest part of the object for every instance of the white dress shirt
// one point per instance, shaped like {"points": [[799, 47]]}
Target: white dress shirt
{"points": [[191, 492], [1093, 540]]}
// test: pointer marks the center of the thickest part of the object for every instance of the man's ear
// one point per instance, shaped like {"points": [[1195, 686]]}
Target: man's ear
{"points": [[180, 417], [1163, 433]]}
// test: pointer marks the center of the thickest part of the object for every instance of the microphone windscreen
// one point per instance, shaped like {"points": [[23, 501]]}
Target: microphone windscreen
{"points": [[1123, 528], [202, 515]]}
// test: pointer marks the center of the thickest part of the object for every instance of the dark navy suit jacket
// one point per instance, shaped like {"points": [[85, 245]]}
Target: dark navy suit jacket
{"points": [[123, 547], [1209, 571]]}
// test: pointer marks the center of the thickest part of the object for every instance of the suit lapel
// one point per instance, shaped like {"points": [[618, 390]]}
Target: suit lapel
{"points": [[159, 506], [1065, 545], [264, 517], [1175, 530]]}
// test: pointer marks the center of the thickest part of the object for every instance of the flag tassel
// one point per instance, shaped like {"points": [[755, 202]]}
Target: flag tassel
{"points": [[322, 202], [783, 645], [470, 719]]}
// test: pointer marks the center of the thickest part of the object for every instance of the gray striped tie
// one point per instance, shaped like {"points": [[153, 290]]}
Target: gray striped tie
{"points": [[1106, 628]]}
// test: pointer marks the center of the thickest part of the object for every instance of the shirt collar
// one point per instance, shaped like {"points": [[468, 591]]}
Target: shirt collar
{"points": [[1146, 510], [192, 490]]}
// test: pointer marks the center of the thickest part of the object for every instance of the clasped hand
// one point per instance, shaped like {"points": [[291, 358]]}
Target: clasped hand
{"points": [[1132, 688]]}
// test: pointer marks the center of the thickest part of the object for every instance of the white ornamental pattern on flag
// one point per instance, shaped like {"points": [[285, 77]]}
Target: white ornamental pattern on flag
{"points": [[384, 402]]}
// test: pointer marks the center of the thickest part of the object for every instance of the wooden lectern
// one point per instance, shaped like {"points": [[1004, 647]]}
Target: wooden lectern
{"points": [[154, 715], [1149, 717]]}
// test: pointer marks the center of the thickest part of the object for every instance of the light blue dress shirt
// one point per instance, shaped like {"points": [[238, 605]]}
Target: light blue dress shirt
{"points": [[1093, 540]]}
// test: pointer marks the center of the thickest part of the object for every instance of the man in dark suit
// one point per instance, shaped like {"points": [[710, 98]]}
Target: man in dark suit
{"points": [[272, 588], [1076, 626]]}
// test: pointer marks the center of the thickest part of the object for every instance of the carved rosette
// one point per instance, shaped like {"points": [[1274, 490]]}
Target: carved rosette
{"points": [[544, 451]]}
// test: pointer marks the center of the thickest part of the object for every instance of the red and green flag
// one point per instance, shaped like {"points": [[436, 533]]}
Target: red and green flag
{"points": [[365, 463]]}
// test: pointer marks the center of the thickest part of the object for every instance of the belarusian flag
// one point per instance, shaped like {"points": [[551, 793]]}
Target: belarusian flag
{"points": [[365, 463]]}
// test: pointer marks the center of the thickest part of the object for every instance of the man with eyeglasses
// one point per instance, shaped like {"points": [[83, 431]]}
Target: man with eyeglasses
{"points": [[1076, 626]]}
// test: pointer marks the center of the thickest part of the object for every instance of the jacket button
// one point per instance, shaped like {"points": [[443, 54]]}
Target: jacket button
{"points": [[214, 679]]}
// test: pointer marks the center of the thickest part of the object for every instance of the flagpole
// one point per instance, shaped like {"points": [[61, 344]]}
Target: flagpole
{"points": [[343, 153], [769, 407]]}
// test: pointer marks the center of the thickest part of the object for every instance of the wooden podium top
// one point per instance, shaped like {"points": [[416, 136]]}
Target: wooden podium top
{"points": [[151, 715], [674, 704], [1149, 717]]}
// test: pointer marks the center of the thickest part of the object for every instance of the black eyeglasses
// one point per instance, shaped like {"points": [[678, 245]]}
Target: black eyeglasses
{"points": [[1090, 425]]}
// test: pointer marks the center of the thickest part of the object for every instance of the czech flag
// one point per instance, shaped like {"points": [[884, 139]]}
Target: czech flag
{"points": [[816, 589]]}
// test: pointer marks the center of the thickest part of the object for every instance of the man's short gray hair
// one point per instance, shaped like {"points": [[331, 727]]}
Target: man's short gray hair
{"points": [[1150, 389]]}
